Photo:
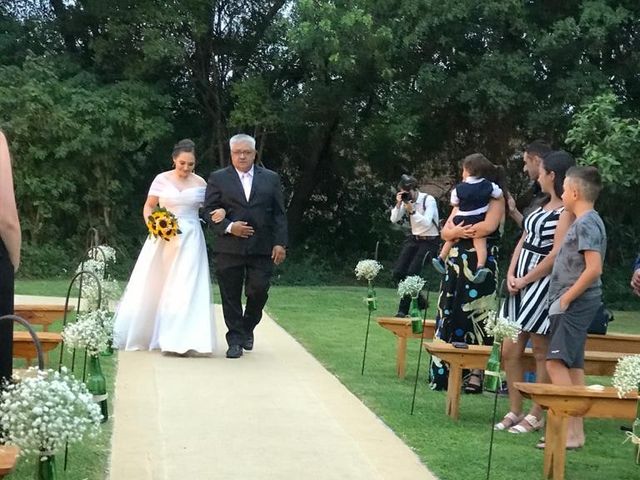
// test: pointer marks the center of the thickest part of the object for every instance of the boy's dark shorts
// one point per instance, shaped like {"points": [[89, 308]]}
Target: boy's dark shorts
{"points": [[569, 331]]}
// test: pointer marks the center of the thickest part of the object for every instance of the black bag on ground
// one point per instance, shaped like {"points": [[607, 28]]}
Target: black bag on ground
{"points": [[601, 321]]}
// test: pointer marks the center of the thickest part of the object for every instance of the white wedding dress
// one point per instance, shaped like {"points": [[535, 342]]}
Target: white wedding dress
{"points": [[167, 302]]}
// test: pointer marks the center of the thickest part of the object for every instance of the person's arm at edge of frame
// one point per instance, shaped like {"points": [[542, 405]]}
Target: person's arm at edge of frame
{"points": [[281, 234], [635, 278], [9, 221]]}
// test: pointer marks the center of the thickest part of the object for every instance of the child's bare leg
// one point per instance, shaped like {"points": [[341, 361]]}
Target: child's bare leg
{"points": [[480, 245], [575, 432], [439, 262], [560, 374]]}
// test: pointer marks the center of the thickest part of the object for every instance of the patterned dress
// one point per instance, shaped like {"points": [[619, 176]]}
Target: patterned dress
{"points": [[529, 306], [464, 306]]}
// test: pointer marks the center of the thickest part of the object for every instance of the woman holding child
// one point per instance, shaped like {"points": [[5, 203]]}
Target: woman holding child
{"points": [[465, 300], [528, 279]]}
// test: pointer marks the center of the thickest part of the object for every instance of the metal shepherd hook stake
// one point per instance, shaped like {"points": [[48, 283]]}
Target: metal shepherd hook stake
{"points": [[366, 335], [499, 294]]}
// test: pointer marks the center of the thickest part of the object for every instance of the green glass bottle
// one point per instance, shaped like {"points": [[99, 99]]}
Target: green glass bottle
{"points": [[46, 468], [372, 301], [97, 385], [492, 370], [416, 317]]}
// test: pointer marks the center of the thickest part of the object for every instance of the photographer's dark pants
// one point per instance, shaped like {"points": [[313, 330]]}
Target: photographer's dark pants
{"points": [[410, 262], [6, 307]]}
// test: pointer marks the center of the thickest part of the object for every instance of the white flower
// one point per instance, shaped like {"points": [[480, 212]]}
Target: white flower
{"points": [[367, 269], [46, 409], [91, 265], [102, 253], [109, 292], [411, 286], [627, 374], [500, 327], [92, 331]]}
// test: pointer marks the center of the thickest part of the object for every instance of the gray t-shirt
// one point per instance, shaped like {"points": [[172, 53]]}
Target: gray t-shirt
{"points": [[586, 233]]}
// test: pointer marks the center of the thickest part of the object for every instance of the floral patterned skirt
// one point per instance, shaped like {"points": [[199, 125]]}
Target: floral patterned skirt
{"points": [[464, 306]]}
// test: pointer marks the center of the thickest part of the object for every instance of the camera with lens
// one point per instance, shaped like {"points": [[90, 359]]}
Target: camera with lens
{"points": [[406, 185]]}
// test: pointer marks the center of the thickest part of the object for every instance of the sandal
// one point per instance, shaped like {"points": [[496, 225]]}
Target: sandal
{"points": [[528, 424], [509, 420], [473, 388]]}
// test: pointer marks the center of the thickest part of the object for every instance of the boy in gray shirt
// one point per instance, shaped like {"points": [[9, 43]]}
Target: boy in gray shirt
{"points": [[575, 290]]}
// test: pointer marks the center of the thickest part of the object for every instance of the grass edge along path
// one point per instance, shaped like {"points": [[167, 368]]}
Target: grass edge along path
{"points": [[330, 323]]}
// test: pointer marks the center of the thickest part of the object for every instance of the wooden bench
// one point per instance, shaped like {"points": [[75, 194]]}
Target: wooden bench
{"points": [[23, 346], [43, 315], [476, 356], [563, 402], [8, 459], [401, 328], [613, 342]]}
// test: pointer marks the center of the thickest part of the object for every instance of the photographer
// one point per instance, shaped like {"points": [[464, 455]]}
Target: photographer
{"points": [[424, 237]]}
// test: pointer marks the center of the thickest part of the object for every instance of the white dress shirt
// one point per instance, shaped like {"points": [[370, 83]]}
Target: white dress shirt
{"points": [[246, 179], [424, 220]]}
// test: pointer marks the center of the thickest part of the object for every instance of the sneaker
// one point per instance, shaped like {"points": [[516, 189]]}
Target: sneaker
{"points": [[481, 275], [439, 265]]}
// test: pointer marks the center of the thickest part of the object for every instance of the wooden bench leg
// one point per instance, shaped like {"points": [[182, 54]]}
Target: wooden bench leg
{"points": [[401, 357], [453, 390], [555, 446]]}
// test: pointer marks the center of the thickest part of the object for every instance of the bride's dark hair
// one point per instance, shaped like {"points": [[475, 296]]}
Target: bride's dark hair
{"points": [[185, 145]]}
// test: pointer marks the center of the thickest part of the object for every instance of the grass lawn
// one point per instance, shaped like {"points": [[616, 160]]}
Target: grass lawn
{"points": [[87, 460], [331, 321]]}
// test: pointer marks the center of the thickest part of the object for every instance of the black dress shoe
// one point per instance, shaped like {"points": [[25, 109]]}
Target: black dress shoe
{"points": [[248, 343], [234, 351]]}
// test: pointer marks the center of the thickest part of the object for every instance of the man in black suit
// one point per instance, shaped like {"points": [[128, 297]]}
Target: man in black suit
{"points": [[249, 241]]}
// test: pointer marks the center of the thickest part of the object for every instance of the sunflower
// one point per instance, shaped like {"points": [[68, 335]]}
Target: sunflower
{"points": [[162, 224]]}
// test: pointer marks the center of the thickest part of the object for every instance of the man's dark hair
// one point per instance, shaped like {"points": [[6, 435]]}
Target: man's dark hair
{"points": [[539, 148], [407, 182], [588, 181]]}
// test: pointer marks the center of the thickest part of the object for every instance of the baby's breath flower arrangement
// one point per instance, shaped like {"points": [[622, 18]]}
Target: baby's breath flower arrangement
{"points": [[109, 293], [102, 253], [368, 270], [625, 379], [92, 265], [91, 331], [411, 287], [500, 327], [43, 411]]}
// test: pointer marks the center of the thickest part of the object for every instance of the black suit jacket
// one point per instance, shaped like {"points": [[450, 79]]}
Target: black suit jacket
{"points": [[264, 211]]}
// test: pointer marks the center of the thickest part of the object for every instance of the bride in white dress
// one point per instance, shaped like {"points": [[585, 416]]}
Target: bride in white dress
{"points": [[167, 302]]}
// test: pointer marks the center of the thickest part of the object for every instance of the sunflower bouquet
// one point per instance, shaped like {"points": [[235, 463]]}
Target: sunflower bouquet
{"points": [[162, 224]]}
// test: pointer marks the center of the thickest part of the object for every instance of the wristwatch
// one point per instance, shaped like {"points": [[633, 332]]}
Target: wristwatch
{"points": [[412, 212]]}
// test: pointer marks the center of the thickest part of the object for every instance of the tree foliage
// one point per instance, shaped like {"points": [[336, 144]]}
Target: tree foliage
{"points": [[342, 95]]}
